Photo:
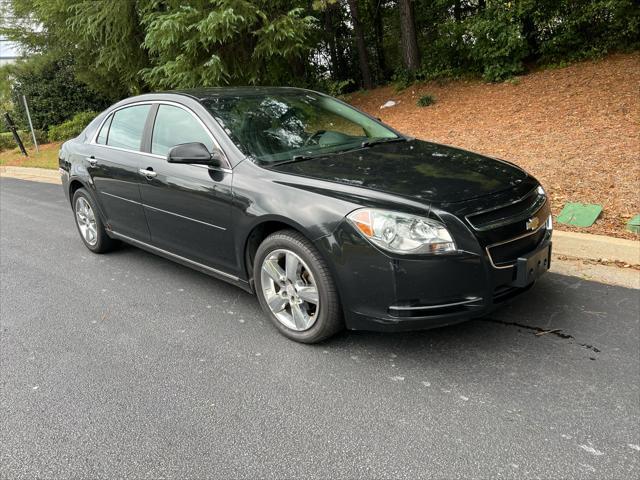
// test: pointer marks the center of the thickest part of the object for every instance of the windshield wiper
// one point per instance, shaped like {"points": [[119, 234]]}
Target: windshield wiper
{"points": [[376, 141], [295, 158]]}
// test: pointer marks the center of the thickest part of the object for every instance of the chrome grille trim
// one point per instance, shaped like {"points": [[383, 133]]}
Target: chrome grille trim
{"points": [[514, 239]]}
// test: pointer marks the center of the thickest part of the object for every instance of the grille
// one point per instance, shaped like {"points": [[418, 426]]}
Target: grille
{"points": [[507, 253], [506, 214]]}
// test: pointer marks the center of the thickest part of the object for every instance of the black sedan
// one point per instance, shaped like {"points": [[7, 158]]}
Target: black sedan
{"points": [[332, 218]]}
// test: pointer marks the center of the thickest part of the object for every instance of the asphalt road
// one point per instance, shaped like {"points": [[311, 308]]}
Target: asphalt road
{"points": [[128, 365]]}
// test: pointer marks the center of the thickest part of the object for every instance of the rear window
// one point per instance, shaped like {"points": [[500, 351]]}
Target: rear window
{"points": [[127, 127], [104, 131]]}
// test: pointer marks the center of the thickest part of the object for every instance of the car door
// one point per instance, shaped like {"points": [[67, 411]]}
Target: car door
{"points": [[114, 169], [187, 207]]}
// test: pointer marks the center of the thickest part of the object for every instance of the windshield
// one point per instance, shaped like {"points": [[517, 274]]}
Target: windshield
{"points": [[277, 127]]}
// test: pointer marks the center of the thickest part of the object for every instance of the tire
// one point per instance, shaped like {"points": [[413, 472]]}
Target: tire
{"points": [[89, 224], [291, 300]]}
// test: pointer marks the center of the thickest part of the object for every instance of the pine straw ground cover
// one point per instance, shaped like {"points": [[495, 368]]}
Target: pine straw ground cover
{"points": [[576, 129]]}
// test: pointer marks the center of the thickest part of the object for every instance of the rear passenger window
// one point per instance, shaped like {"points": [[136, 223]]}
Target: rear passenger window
{"points": [[127, 126], [104, 131], [174, 126]]}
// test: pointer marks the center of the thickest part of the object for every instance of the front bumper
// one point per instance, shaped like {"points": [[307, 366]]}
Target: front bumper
{"points": [[380, 292]]}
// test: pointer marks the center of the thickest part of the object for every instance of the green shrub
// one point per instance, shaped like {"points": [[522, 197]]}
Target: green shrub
{"points": [[500, 48], [8, 143], [426, 100], [70, 128]]}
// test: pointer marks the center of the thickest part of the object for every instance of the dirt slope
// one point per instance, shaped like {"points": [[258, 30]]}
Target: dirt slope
{"points": [[577, 129]]}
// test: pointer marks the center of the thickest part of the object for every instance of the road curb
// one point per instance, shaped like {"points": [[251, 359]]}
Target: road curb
{"points": [[587, 246], [584, 246], [33, 174]]}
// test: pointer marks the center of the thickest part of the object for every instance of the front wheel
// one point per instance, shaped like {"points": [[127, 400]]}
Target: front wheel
{"points": [[295, 288]]}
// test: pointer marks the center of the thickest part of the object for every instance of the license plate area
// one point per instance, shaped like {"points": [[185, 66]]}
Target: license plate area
{"points": [[531, 266]]}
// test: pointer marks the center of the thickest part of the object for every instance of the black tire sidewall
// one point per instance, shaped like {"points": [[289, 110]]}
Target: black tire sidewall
{"points": [[329, 320]]}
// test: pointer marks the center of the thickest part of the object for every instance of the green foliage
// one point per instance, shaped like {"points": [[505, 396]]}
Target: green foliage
{"points": [[226, 42], [71, 128], [402, 79], [426, 100], [335, 88], [53, 93], [499, 48], [8, 143], [124, 47], [590, 28]]}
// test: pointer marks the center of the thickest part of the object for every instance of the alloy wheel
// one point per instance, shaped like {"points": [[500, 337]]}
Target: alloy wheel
{"points": [[86, 220], [290, 290]]}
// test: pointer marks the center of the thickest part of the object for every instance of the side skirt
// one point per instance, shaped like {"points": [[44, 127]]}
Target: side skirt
{"points": [[185, 261]]}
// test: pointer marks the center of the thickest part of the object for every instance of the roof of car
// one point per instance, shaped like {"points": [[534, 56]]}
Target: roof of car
{"points": [[204, 93]]}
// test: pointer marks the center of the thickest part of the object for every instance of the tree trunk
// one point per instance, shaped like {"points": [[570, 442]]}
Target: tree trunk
{"points": [[379, 32], [331, 19], [363, 56], [410, 54]]}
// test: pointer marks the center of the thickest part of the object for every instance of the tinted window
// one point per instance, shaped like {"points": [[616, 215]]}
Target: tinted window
{"points": [[174, 126], [127, 126], [104, 131]]}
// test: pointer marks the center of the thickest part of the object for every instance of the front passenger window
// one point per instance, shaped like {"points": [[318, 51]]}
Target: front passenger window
{"points": [[174, 126]]}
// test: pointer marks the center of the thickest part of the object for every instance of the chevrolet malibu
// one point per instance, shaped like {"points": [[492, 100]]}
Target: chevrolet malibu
{"points": [[330, 217]]}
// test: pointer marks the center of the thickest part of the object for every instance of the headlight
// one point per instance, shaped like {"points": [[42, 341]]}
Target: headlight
{"points": [[549, 225], [402, 233], [541, 190]]}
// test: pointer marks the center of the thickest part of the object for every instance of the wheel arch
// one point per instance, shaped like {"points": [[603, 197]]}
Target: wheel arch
{"points": [[76, 183], [256, 236]]}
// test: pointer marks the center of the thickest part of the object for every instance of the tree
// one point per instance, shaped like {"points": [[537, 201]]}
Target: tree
{"points": [[409, 41], [53, 93], [378, 28], [363, 55], [199, 44], [103, 38]]}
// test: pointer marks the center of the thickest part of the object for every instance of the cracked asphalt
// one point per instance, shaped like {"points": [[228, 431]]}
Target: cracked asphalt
{"points": [[128, 365]]}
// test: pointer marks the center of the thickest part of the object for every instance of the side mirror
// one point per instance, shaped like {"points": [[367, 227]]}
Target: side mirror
{"points": [[195, 153]]}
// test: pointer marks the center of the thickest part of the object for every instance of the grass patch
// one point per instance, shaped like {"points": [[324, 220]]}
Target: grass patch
{"points": [[46, 158]]}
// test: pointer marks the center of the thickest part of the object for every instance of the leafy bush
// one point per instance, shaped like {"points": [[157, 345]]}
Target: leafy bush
{"points": [[71, 128], [589, 28], [426, 100], [500, 48], [8, 143]]}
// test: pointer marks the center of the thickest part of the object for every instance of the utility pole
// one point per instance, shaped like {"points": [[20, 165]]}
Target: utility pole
{"points": [[33, 133]]}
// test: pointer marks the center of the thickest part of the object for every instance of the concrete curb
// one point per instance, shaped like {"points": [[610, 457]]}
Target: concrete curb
{"points": [[34, 174], [576, 245], [596, 247]]}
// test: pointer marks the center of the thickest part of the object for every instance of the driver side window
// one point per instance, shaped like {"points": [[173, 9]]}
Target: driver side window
{"points": [[174, 126]]}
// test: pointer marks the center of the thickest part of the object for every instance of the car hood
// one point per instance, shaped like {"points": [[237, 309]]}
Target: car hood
{"points": [[421, 170]]}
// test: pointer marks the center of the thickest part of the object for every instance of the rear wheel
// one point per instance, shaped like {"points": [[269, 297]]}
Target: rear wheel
{"points": [[295, 288], [89, 225]]}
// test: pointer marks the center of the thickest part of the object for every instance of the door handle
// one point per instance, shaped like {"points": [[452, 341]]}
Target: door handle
{"points": [[93, 161], [147, 173]]}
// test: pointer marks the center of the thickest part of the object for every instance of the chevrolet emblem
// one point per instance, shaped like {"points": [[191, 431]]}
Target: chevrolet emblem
{"points": [[532, 223]]}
